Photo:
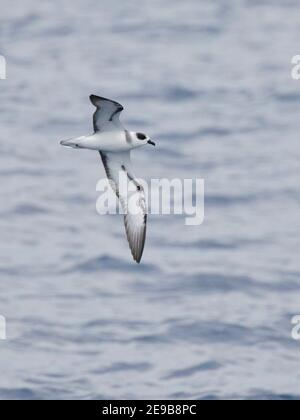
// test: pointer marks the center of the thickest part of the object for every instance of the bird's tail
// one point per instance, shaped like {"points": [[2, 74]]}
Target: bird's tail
{"points": [[74, 143]]}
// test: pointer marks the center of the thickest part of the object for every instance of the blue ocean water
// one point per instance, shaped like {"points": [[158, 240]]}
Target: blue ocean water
{"points": [[208, 313]]}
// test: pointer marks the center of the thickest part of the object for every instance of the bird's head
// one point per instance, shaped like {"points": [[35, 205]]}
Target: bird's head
{"points": [[141, 139]]}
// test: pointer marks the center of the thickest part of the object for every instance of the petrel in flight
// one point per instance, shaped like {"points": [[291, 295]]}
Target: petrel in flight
{"points": [[114, 143]]}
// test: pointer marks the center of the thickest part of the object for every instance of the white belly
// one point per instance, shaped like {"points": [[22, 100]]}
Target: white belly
{"points": [[109, 141]]}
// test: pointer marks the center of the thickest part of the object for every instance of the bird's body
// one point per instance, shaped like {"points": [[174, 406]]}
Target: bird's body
{"points": [[108, 141], [114, 144]]}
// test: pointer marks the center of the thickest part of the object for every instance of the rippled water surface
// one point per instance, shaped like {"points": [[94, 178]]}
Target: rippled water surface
{"points": [[208, 312]]}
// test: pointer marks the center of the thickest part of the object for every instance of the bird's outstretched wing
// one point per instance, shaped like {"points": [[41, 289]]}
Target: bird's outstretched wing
{"points": [[133, 202], [106, 117]]}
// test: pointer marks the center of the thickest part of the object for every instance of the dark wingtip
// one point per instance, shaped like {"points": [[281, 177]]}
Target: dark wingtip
{"points": [[94, 99], [137, 257]]}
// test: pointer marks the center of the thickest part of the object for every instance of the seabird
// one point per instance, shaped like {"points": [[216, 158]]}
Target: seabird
{"points": [[114, 143]]}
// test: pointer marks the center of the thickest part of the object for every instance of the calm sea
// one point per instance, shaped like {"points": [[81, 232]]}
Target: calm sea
{"points": [[207, 315]]}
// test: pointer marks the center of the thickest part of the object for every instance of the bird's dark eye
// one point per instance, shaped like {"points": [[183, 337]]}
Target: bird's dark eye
{"points": [[141, 136]]}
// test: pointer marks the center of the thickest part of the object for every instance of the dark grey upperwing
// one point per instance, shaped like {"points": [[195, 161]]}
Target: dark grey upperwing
{"points": [[106, 117], [136, 223]]}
